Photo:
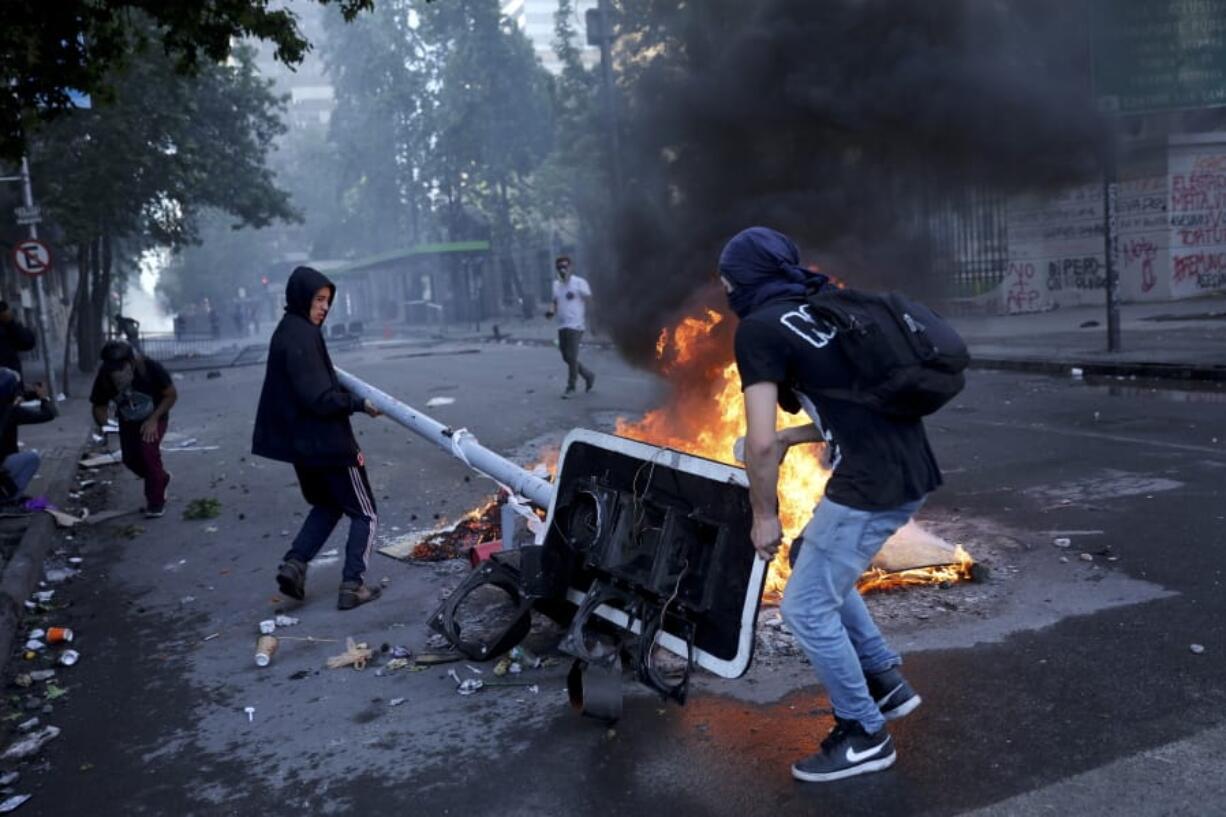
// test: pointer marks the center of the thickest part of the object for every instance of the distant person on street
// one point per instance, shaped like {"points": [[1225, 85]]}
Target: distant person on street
{"points": [[17, 468], [883, 469], [130, 329], [143, 393], [14, 338], [570, 296], [303, 419]]}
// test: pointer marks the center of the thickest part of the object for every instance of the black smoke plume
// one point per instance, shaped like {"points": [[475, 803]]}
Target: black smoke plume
{"points": [[845, 123]]}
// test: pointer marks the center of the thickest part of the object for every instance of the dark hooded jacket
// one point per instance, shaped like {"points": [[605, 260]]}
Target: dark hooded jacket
{"points": [[304, 411]]}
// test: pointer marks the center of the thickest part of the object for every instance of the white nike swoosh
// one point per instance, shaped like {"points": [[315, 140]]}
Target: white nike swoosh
{"points": [[855, 757]]}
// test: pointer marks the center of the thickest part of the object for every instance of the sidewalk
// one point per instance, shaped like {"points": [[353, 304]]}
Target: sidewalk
{"points": [[1177, 339], [1183, 340]]}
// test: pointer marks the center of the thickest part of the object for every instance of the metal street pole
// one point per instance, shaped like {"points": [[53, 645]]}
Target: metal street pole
{"points": [[1110, 190], [40, 303], [606, 75]]}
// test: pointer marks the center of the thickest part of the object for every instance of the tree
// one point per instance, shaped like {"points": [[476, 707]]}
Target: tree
{"points": [[134, 172], [48, 50]]}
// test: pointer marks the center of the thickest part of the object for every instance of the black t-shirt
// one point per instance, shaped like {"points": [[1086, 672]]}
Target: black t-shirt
{"points": [[153, 381], [880, 462]]}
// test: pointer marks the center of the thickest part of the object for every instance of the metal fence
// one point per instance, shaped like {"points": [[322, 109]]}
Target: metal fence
{"points": [[970, 241]]}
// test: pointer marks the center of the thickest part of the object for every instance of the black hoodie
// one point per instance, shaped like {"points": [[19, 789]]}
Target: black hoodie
{"points": [[304, 411]]}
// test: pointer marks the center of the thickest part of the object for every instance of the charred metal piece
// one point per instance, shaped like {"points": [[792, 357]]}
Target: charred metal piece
{"points": [[595, 690], [497, 573]]}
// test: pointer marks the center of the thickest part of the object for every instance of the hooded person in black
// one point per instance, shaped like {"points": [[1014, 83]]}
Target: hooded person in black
{"points": [[303, 419]]}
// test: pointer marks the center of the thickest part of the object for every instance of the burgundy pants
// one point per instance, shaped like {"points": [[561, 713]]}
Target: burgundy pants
{"points": [[145, 460]]}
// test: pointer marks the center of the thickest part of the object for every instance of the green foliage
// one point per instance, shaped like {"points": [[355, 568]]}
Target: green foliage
{"points": [[165, 146], [48, 49], [208, 508]]}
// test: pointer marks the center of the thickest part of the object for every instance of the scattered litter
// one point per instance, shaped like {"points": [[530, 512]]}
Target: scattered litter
{"points": [[355, 655], [26, 726], [521, 655], [1197, 649], [332, 552], [31, 744], [42, 675], [172, 567], [392, 666], [69, 657], [187, 600], [503, 666], [56, 575], [34, 645], [208, 508], [474, 670], [100, 460], [13, 802], [1062, 542], [401, 652], [1086, 557], [188, 443], [211, 529], [250, 710], [427, 659], [211, 636], [283, 621], [469, 686], [38, 633], [1064, 560], [9, 778], [53, 692], [23, 680], [285, 533], [435, 402], [1076, 373], [396, 701], [268, 626], [265, 649], [44, 596]]}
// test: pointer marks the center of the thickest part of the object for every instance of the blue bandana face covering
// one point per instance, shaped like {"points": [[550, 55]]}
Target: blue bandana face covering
{"points": [[763, 265]]}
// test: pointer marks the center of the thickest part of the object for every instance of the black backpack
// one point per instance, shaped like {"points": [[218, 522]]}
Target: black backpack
{"points": [[908, 359]]}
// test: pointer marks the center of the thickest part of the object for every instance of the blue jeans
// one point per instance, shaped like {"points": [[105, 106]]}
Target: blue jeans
{"points": [[823, 608], [21, 468]]}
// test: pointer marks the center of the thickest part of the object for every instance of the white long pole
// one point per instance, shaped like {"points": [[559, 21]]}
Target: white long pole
{"points": [[463, 446], [40, 300]]}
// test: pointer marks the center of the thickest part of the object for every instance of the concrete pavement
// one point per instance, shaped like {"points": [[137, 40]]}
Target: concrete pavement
{"points": [[1060, 687]]}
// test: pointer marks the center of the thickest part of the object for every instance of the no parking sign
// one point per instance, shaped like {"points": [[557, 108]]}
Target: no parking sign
{"points": [[32, 257]]}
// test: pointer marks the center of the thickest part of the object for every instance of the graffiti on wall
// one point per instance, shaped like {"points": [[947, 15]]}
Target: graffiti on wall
{"points": [[1198, 221]]}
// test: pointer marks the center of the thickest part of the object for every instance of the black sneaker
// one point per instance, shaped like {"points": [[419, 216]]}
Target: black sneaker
{"points": [[291, 578], [892, 694], [153, 511], [846, 752], [569, 393], [589, 382]]}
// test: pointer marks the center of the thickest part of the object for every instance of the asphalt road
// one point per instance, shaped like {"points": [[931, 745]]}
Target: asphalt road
{"points": [[1073, 691]]}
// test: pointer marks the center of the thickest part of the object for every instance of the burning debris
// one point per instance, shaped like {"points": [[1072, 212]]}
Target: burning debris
{"points": [[454, 541], [705, 416]]}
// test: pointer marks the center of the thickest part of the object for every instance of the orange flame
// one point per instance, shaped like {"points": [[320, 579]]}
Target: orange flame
{"points": [[705, 417]]}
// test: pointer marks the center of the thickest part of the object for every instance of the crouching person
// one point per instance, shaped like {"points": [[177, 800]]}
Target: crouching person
{"points": [[143, 393], [883, 470], [18, 468], [303, 419]]}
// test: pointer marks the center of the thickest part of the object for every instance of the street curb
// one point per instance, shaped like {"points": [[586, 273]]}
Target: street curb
{"points": [[1138, 369], [21, 574]]}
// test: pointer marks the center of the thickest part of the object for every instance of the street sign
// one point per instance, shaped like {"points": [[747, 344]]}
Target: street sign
{"points": [[32, 257], [1159, 55], [29, 215]]}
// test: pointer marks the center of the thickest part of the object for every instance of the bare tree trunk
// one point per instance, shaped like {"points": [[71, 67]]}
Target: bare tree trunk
{"points": [[86, 255]]}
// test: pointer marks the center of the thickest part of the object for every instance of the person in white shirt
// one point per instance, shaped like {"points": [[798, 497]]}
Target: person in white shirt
{"points": [[570, 297]]}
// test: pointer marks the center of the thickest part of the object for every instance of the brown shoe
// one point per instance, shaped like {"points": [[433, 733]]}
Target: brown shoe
{"points": [[354, 594], [291, 578]]}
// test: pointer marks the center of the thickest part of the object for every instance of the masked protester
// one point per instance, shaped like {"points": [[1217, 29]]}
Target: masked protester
{"points": [[570, 296], [17, 468], [883, 469], [143, 393], [303, 419]]}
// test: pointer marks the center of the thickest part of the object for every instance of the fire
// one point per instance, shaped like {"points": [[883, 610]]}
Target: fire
{"points": [[705, 417], [708, 415]]}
